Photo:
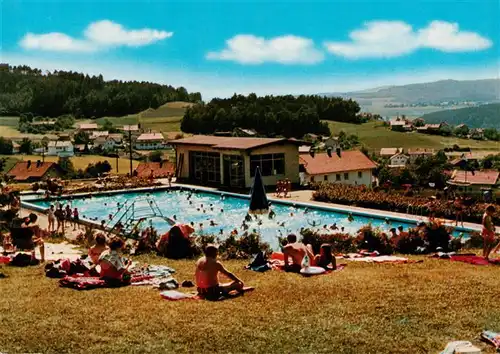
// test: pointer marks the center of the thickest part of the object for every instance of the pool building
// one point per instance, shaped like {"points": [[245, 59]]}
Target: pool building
{"points": [[231, 161]]}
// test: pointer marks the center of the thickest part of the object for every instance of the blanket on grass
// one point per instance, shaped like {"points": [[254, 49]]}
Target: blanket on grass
{"points": [[156, 276], [492, 338], [470, 258], [174, 295], [381, 259]]}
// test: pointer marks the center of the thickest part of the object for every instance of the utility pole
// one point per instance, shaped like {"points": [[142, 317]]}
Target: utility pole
{"points": [[130, 149]]}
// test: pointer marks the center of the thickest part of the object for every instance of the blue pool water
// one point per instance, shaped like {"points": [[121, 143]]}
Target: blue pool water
{"points": [[227, 212]]}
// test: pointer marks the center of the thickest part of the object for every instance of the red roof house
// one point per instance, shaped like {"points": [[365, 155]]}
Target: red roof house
{"points": [[31, 171], [157, 169]]}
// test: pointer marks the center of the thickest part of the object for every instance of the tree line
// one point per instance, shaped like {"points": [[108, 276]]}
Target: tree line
{"points": [[289, 116], [28, 91]]}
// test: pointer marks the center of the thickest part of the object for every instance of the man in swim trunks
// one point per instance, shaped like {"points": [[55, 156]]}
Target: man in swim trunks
{"points": [[207, 276], [297, 251]]}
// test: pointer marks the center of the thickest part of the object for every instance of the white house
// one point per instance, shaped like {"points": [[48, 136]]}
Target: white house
{"points": [[388, 152], [98, 134], [150, 141], [347, 167], [88, 127], [109, 142], [399, 160], [61, 148], [423, 153]]}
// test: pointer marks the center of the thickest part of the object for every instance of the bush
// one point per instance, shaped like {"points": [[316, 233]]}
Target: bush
{"points": [[373, 239], [340, 242], [475, 241], [409, 243], [155, 156], [234, 246]]}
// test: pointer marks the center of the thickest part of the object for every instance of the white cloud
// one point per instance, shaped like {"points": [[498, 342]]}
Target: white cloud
{"points": [[249, 49], [386, 39], [97, 36]]}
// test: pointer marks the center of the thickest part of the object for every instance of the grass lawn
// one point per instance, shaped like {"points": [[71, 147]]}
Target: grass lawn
{"points": [[367, 308], [81, 162], [375, 136]]}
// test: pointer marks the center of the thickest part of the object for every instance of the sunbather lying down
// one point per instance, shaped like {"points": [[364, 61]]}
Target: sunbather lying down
{"points": [[207, 276]]}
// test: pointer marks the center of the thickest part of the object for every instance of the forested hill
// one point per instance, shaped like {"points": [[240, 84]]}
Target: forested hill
{"points": [[287, 116], [24, 90], [485, 116]]}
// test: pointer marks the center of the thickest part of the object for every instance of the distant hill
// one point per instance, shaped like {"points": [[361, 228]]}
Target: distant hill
{"points": [[487, 90], [485, 116]]}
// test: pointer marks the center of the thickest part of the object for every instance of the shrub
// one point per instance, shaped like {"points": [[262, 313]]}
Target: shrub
{"points": [[340, 242], [475, 241], [409, 242], [234, 246], [373, 239]]}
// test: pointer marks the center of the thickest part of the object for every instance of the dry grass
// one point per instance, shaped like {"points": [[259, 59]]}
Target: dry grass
{"points": [[81, 162], [415, 308]]}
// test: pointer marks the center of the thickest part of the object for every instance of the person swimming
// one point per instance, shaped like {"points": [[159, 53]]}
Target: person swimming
{"points": [[272, 214], [248, 218], [350, 217], [174, 217], [213, 223]]}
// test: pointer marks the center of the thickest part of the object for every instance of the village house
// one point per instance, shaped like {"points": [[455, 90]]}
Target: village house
{"points": [[475, 182], [432, 128], [15, 147], [346, 167], [477, 134], [61, 148], [389, 152], [155, 169], [414, 154], [398, 160], [33, 171], [304, 149], [98, 134], [150, 141], [332, 142], [109, 142], [401, 125], [87, 127], [244, 132], [232, 162]]}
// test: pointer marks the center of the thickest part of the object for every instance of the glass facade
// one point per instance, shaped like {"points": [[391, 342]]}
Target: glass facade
{"points": [[269, 164], [204, 167]]}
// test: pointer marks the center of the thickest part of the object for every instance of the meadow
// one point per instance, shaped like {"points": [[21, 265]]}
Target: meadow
{"points": [[374, 135], [366, 308]]}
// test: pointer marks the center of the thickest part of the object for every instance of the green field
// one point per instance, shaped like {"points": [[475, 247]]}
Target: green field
{"points": [[374, 135], [366, 308]]}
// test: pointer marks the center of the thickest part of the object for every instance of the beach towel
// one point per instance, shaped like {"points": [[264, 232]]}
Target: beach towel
{"points": [[492, 338], [362, 257], [174, 295], [277, 263], [475, 260], [461, 347]]}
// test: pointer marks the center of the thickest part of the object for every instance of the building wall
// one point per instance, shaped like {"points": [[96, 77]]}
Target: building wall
{"points": [[149, 145], [366, 178], [399, 161], [291, 161], [57, 150]]}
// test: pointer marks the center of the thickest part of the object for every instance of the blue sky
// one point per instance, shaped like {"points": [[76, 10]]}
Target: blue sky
{"points": [[261, 46]]}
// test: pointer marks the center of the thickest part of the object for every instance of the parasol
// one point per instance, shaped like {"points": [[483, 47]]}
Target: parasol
{"points": [[258, 199]]}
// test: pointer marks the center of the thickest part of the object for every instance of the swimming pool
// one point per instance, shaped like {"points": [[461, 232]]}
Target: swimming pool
{"points": [[227, 212]]}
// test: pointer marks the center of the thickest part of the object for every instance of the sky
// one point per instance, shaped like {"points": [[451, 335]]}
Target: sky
{"points": [[263, 46]]}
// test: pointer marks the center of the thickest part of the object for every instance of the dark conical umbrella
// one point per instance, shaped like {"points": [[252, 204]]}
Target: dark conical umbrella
{"points": [[258, 199]]}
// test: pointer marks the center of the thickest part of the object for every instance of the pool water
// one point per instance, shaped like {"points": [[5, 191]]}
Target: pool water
{"points": [[226, 212]]}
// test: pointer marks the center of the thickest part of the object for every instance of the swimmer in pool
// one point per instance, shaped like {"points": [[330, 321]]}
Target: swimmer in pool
{"points": [[342, 229], [350, 217], [212, 223], [271, 215], [248, 218], [222, 210], [174, 217]]}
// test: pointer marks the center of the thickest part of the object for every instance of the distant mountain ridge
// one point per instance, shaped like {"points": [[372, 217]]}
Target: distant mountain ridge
{"points": [[483, 91], [485, 116]]}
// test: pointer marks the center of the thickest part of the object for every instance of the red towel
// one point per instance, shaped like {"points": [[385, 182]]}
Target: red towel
{"points": [[476, 260]]}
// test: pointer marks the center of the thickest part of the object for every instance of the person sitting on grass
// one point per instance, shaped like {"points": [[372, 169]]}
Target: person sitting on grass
{"points": [[207, 276], [114, 267], [297, 251], [325, 258], [488, 231], [99, 247]]}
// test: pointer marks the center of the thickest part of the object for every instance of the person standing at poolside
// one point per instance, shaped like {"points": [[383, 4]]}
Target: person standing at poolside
{"points": [[488, 231], [52, 218]]}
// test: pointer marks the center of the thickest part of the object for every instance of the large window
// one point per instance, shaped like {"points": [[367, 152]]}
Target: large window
{"points": [[205, 166], [269, 164]]}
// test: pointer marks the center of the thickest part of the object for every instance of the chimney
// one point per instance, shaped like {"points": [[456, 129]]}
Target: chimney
{"points": [[161, 164], [38, 163], [339, 152], [329, 151], [311, 152], [29, 164]]}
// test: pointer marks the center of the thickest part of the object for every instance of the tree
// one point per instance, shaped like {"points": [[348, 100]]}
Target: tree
{"points": [[491, 134], [5, 146], [461, 131], [29, 92], [82, 137], [155, 156], [26, 146], [97, 169], [67, 167]]}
